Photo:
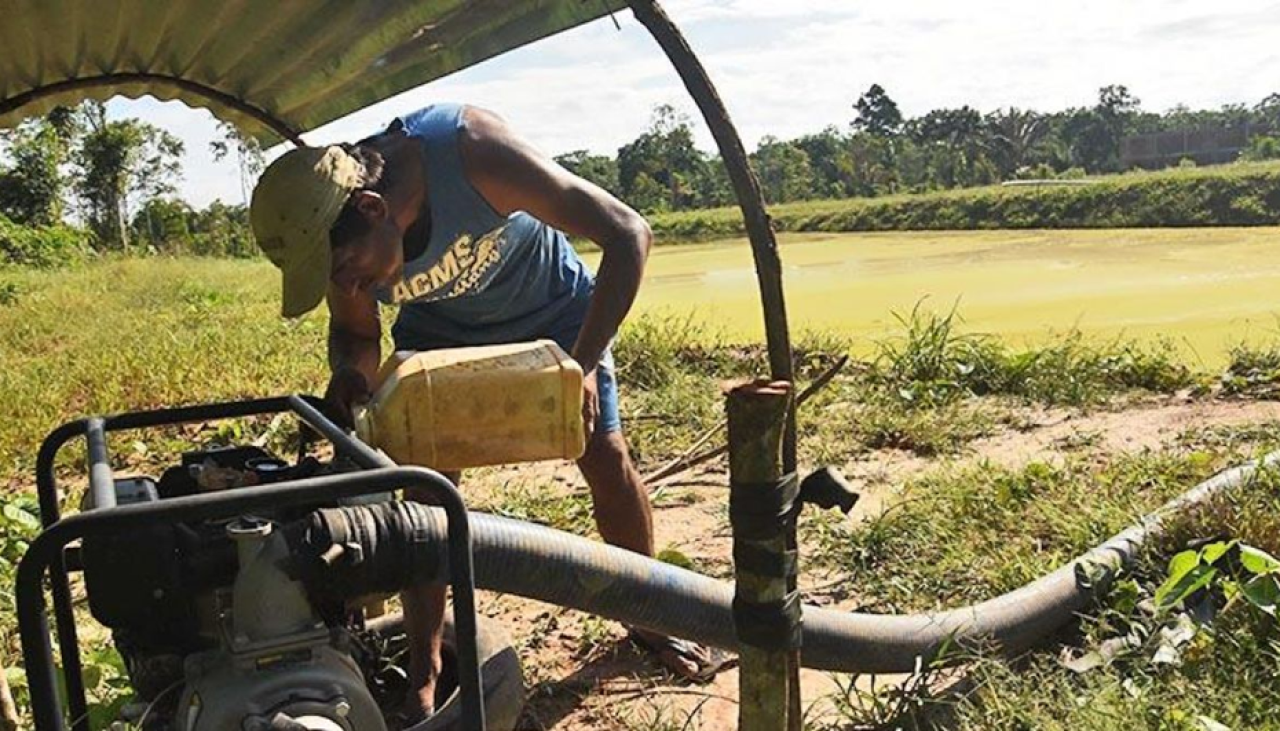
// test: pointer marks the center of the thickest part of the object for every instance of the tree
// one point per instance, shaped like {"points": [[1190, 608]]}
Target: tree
{"points": [[599, 169], [873, 164], [1267, 112], [878, 115], [958, 143], [222, 230], [163, 223], [1018, 139], [249, 156], [784, 170], [31, 187], [831, 162], [1261, 147], [663, 156], [1093, 136], [118, 162]]}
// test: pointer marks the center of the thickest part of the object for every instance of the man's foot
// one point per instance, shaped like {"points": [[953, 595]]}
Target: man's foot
{"points": [[419, 703], [686, 659], [412, 713]]}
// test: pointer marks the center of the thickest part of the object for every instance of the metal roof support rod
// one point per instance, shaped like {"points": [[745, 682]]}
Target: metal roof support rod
{"points": [[230, 101], [746, 188], [764, 246]]}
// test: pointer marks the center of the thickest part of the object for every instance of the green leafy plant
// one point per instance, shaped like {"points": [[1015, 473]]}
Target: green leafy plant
{"points": [[1241, 572], [41, 247], [1253, 371], [19, 523], [934, 362]]}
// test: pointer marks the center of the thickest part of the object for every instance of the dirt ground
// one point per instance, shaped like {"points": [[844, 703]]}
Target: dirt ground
{"points": [[581, 672]]}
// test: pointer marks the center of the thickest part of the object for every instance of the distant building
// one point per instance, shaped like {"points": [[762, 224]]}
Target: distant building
{"points": [[1206, 146]]}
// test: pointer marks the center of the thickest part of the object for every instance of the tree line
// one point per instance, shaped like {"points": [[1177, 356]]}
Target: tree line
{"points": [[882, 152], [120, 176]]}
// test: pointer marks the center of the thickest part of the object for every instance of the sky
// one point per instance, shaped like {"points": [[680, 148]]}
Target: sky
{"points": [[789, 67]]}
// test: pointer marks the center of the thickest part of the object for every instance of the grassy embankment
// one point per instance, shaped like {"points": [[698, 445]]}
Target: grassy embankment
{"points": [[143, 333], [1240, 194]]}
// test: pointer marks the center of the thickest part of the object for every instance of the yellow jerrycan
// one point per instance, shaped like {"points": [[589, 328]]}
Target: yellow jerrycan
{"points": [[469, 407]]}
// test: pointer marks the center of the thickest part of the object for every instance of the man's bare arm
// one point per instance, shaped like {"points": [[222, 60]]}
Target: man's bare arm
{"points": [[513, 176], [355, 348]]}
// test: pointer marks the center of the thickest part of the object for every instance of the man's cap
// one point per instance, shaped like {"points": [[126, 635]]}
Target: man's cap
{"points": [[296, 202]]}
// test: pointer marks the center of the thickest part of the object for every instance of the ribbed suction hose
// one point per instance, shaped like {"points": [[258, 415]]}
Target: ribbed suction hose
{"points": [[400, 543]]}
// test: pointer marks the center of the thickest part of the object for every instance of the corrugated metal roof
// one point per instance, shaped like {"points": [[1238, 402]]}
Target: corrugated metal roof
{"points": [[302, 62]]}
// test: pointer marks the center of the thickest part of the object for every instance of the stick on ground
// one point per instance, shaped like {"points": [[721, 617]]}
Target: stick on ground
{"points": [[685, 462]]}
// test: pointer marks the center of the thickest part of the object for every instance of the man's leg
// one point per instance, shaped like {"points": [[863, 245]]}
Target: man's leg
{"points": [[620, 503], [619, 499], [424, 626]]}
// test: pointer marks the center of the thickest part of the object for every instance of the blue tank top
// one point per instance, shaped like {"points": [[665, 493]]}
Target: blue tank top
{"points": [[483, 278]]}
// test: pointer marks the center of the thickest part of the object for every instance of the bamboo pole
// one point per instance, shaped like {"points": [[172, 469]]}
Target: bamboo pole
{"points": [[757, 419]]}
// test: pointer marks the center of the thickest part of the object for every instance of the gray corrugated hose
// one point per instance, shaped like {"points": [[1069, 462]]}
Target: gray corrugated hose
{"points": [[555, 567]]}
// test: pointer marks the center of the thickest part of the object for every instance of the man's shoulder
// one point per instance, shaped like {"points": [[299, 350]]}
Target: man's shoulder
{"points": [[432, 121]]}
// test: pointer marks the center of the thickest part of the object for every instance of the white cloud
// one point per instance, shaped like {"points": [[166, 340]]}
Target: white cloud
{"points": [[787, 67]]}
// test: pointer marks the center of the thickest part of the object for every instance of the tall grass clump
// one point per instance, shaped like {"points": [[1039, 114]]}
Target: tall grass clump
{"points": [[651, 351], [933, 361], [1253, 371], [1073, 370], [669, 370]]}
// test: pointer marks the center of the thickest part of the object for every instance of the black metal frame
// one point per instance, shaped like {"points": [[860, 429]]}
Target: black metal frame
{"points": [[46, 552], [153, 80]]}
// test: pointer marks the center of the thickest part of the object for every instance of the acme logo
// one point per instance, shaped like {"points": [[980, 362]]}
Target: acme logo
{"points": [[458, 271]]}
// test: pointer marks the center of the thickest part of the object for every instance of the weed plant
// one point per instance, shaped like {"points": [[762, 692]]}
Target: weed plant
{"points": [[934, 362], [1253, 371], [1136, 664]]}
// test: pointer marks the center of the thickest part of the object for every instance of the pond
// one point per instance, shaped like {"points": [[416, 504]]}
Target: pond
{"points": [[1206, 289]]}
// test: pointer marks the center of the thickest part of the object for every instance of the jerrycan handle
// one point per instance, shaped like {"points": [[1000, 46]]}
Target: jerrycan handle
{"points": [[366, 426]]}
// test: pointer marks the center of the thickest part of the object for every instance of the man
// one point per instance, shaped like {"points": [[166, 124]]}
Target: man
{"points": [[461, 223]]}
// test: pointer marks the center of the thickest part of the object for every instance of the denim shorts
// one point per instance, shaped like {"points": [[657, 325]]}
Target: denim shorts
{"points": [[608, 420]]}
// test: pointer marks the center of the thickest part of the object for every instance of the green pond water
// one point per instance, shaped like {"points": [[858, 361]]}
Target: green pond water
{"points": [[1206, 289]]}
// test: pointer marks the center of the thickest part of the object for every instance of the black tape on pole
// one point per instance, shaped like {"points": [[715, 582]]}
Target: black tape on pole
{"points": [[764, 512], [761, 511], [770, 626]]}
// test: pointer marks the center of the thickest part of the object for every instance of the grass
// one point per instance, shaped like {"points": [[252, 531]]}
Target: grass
{"points": [[552, 506], [135, 334], [965, 535], [971, 533], [1223, 677], [934, 361], [1253, 371], [128, 334]]}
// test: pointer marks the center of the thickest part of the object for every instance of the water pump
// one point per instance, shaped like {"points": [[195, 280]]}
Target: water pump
{"points": [[278, 665]]}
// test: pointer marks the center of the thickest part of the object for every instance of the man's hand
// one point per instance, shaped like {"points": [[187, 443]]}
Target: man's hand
{"points": [[590, 403], [347, 389]]}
